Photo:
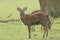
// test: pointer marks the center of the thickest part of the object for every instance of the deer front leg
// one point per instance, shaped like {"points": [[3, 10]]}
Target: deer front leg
{"points": [[29, 30]]}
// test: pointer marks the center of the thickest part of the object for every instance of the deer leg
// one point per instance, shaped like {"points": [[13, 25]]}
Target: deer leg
{"points": [[41, 27], [29, 30], [33, 29], [44, 32]]}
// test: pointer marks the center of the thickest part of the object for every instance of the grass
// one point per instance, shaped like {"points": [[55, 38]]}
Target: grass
{"points": [[17, 30], [8, 7]]}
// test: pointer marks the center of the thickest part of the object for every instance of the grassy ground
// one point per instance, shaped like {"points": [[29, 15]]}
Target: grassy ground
{"points": [[18, 31]]}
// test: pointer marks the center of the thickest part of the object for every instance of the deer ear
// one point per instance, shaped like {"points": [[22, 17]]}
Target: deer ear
{"points": [[18, 9], [25, 8]]}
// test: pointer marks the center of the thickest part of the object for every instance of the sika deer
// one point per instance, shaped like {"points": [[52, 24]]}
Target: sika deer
{"points": [[34, 19]]}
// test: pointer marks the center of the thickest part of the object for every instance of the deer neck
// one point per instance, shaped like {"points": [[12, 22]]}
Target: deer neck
{"points": [[22, 17]]}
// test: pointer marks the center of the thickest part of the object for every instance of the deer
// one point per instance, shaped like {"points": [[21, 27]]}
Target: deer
{"points": [[34, 19]]}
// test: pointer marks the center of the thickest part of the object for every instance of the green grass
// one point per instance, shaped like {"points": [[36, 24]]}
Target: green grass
{"points": [[17, 30], [8, 7]]}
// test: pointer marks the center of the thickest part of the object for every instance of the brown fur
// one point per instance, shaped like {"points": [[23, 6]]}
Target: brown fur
{"points": [[39, 17], [41, 11]]}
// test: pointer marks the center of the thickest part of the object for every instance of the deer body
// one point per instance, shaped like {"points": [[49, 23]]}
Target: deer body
{"points": [[39, 17], [32, 19]]}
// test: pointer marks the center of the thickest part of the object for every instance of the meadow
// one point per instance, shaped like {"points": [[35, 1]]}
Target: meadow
{"points": [[17, 30]]}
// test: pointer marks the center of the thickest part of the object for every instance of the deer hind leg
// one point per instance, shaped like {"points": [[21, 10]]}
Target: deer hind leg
{"points": [[32, 28], [45, 31], [29, 30], [41, 27]]}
